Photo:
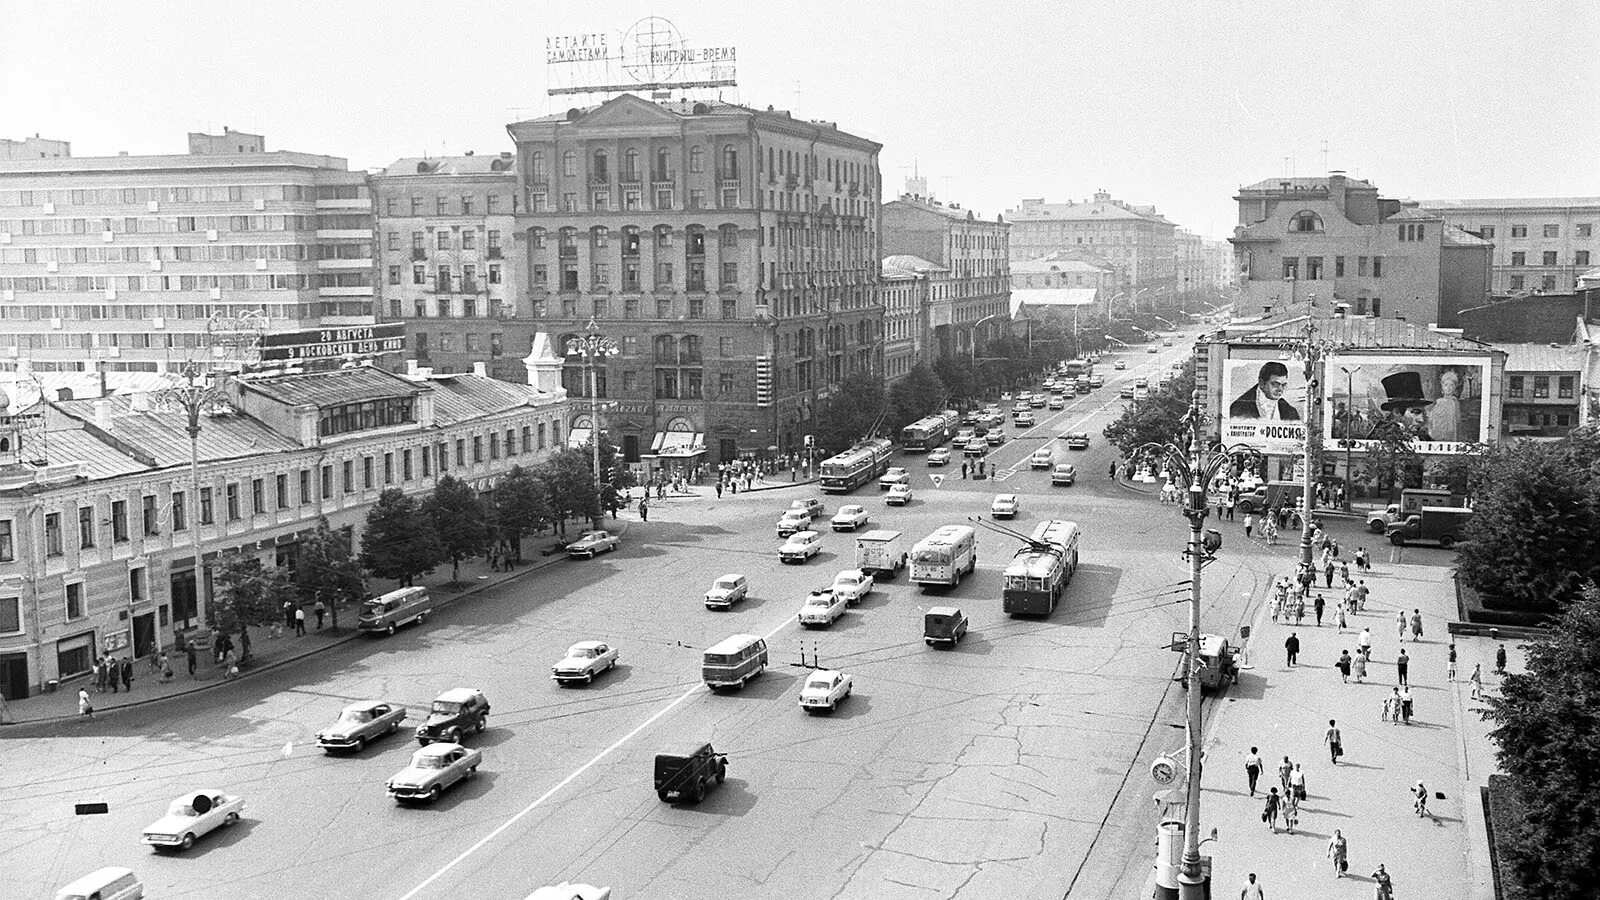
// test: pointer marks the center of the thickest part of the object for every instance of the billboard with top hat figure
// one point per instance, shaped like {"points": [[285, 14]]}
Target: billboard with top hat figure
{"points": [[1439, 403]]}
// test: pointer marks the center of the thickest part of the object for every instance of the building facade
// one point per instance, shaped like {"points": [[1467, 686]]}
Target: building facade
{"points": [[135, 263], [1541, 244], [976, 258], [731, 253], [98, 508], [1336, 240], [912, 288], [445, 230], [1139, 241], [1545, 389]]}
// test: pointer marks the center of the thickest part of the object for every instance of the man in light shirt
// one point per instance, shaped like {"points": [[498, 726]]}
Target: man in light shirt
{"points": [[1265, 400]]}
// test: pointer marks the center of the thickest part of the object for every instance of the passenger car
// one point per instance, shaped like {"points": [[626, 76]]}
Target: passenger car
{"points": [[995, 438], [824, 689], [963, 436], [453, 713], [432, 769], [975, 447], [899, 495], [688, 775], [1037, 401], [1019, 408], [852, 585], [822, 608], [726, 591], [939, 456], [1065, 473], [193, 816], [1152, 349], [944, 625], [584, 661], [1040, 459], [1126, 393], [1166, 342], [1005, 506], [895, 475], [359, 723], [1097, 381], [1023, 419], [591, 543], [793, 520], [1077, 440], [1057, 401], [811, 505], [801, 546], [1119, 365], [849, 517]]}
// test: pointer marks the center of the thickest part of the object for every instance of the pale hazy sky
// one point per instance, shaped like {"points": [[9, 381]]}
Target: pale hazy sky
{"points": [[1172, 103]]}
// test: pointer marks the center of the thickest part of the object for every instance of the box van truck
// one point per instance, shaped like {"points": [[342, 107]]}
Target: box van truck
{"points": [[396, 608], [881, 552], [110, 883]]}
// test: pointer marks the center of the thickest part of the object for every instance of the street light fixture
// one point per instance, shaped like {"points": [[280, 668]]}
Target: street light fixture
{"points": [[198, 393], [593, 346]]}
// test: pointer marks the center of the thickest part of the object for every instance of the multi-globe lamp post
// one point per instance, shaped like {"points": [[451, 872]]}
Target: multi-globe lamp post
{"points": [[593, 348], [1312, 352]]}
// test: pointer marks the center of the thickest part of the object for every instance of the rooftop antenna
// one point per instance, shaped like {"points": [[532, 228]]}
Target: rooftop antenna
{"points": [[946, 180], [797, 95], [1286, 166], [1324, 156]]}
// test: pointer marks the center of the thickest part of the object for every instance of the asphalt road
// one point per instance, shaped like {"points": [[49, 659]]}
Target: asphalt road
{"points": [[1012, 766]]}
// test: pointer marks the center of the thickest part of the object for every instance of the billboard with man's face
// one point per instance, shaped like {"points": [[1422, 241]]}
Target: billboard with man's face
{"points": [[1264, 403], [1441, 401]]}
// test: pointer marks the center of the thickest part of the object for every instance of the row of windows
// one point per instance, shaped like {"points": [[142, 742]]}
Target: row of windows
{"points": [[216, 193], [191, 253], [152, 283], [468, 239], [1582, 229], [1516, 384], [447, 278], [464, 205], [1314, 269], [629, 171], [1547, 283], [1549, 258], [180, 224], [446, 308]]}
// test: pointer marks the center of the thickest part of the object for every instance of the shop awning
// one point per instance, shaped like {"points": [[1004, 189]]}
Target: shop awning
{"points": [[678, 444]]}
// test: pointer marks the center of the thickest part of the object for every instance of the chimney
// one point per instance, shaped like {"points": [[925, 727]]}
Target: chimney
{"points": [[480, 369], [411, 368], [102, 414], [140, 401]]}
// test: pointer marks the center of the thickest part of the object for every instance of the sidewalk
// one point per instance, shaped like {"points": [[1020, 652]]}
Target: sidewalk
{"points": [[1285, 711], [267, 652]]}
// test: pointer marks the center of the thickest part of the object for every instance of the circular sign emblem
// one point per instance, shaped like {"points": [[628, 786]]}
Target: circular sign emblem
{"points": [[1164, 770], [652, 50]]}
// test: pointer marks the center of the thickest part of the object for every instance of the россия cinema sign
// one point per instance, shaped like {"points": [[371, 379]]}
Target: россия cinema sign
{"points": [[334, 343]]}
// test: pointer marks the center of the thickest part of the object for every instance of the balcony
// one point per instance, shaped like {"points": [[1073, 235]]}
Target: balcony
{"points": [[664, 184], [599, 179]]}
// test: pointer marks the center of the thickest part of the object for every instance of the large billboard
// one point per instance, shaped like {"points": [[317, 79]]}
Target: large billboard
{"points": [[1443, 400], [335, 342], [1264, 402]]}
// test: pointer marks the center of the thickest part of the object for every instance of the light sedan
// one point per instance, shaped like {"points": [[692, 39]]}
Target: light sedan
{"points": [[360, 723], [584, 661], [1005, 506], [793, 520], [939, 456], [592, 543], [824, 690], [822, 608], [1057, 401], [895, 475], [193, 816], [1119, 365], [849, 518], [975, 447], [852, 585], [1023, 420], [899, 495], [433, 769]]}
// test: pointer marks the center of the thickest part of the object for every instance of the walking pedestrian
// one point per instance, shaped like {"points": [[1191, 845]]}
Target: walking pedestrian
{"points": [[1361, 594], [288, 614], [719, 489], [494, 560], [1300, 609], [1364, 643], [1319, 605], [188, 652], [1384, 884], [1252, 768], [1416, 625], [321, 609], [644, 510], [1113, 473], [1419, 803], [1500, 660], [1327, 572], [85, 708], [100, 676], [1297, 783], [1249, 523], [1269, 814], [1334, 741], [1342, 620], [127, 674], [1405, 704], [1401, 622], [1402, 666], [1343, 665], [1344, 572], [1476, 680], [113, 673], [1338, 851], [1358, 666], [1252, 890], [1232, 499], [1291, 812], [1388, 714], [963, 470], [299, 621], [1450, 670], [1284, 768], [1363, 560], [1291, 648]]}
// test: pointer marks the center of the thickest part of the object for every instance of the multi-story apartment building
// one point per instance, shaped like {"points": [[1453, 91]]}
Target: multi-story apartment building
{"points": [[975, 255], [1544, 388], [910, 289], [131, 262], [1139, 241], [98, 509], [444, 234], [731, 253], [1541, 244], [1336, 240]]}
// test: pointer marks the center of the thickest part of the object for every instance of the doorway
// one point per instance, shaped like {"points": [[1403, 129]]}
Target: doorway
{"points": [[144, 634], [14, 676]]}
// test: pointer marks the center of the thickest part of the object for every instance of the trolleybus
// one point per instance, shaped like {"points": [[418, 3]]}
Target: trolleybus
{"points": [[925, 434], [844, 472]]}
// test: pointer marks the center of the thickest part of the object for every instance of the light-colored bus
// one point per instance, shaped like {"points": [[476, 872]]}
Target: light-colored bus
{"points": [[945, 555], [1061, 534], [401, 606], [925, 434], [844, 472], [1039, 574], [734, 661]]}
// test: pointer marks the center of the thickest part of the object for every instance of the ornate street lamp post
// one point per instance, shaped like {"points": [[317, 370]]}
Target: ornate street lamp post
{"points": [[197, 393], [592, 348], [1312, 352], [1349, 429]]}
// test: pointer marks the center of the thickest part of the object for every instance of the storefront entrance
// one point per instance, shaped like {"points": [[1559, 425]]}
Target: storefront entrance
{"points": [[13, 675]]}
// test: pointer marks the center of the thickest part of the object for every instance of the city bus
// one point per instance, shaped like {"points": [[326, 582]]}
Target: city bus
{"points": [[945, 555], [1033, 581], [1077, 368], [844, 472], [925, 434]]}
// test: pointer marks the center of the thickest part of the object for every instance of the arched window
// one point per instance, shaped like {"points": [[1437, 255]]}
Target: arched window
{"points": [[630, 240], [569, 241], [730, 161], [600, 172], [661, 166], [695, 240], [537, 237], [536, 166], [1305, 220], [697, 159], [630, 165], [569, 163]]}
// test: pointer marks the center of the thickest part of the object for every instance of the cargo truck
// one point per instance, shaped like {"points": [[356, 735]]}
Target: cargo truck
{"points": [[1443, 525], [1411, 500], [881, 552]]}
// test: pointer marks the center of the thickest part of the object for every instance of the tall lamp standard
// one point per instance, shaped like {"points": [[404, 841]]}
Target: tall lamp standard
{"points": [[1311, 351], [1349, 427], [593, 347], [1197, 467], [197, 393]]}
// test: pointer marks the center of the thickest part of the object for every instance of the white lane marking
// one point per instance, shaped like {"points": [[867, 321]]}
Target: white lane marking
{"points": [[460, 858]]}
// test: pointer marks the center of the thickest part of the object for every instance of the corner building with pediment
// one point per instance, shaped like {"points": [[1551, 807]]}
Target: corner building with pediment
{"points": [[731, 253]]}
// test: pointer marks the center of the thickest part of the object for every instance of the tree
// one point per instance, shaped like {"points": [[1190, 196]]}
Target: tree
{"points": [[1160, 419], [400, 542], [245, 594], [917, 394], [569, 486], [326, 570], [521, 507], [459, 520], [1548, 732], [957, 375], [1392, 462], [850, 413], [1535, 532]]}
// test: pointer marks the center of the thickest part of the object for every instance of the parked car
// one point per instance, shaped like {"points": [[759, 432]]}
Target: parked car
{"points": [[359, 723], [1065, 473], [1019, 408], [1023, 420], [726, 591], [433, 769], [810, 504], [1040, 459], [895, 475], [939, 456], [592, 543], [583, 662], [1152, 349], [1166, 342], [944, 625], [1077, 440], [191, 817], [852, 585], [793, 520], [821, 608], [899, 495], [801, 546], [1057, 401], [824, 689], [453, 714], [849, 517], [1005, 506], [689, 775]]}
